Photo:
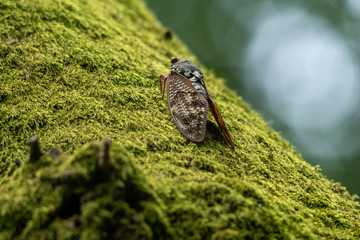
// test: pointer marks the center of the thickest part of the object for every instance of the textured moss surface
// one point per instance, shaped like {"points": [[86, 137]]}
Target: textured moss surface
{"points": [[71, 197], [75, 72]]}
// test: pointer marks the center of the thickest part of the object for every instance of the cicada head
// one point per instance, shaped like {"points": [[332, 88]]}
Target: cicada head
{"points": [[187, 69], [175, 62]]}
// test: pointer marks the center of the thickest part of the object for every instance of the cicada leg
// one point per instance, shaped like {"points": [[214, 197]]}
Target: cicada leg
{"points": [[162, 87]]}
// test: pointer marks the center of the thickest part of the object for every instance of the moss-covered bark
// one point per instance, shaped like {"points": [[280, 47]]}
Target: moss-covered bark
{"points": [[74, 72]]}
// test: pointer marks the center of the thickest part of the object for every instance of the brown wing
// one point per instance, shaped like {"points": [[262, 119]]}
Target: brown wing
{"points": [[215, 112], [187, 106]]}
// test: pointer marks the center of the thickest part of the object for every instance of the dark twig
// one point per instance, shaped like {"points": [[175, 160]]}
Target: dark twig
{"points": [[104, 158], [35, 152]]}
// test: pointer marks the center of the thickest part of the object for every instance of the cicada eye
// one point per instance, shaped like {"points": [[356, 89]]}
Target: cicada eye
{"points": [[174, 60]]}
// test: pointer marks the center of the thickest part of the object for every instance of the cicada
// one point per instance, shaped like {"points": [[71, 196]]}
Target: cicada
{"points": [[189, 100]]}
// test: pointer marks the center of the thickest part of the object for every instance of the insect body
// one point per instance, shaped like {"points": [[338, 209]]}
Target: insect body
{"points": [[189, 100]]}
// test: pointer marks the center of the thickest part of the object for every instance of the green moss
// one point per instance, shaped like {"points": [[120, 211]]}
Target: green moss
{"points": [[73, 72], [72, 198]]}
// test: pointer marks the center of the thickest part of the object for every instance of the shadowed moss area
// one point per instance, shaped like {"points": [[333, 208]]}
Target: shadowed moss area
{"points": [[72, 197], [74, 72]]}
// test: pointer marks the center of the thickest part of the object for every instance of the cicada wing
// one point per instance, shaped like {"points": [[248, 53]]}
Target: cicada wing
{"points": [[187, 106], [215, 112]]}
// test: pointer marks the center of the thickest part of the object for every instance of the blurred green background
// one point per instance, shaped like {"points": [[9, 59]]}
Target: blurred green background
{"points": [[295, 62]]}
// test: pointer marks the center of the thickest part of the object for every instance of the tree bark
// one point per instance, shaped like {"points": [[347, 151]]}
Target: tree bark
{"points": [[76, 72]]}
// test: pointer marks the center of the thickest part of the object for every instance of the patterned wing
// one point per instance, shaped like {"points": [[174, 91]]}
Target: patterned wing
{"points": [[187, 106], [215, 112]]}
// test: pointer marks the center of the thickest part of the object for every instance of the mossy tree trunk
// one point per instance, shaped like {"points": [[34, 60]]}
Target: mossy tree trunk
{"points": [[76, 72]]}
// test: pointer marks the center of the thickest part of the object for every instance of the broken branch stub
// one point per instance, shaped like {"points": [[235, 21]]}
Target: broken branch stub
{"points": [[35, 152], [104, 158]]}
